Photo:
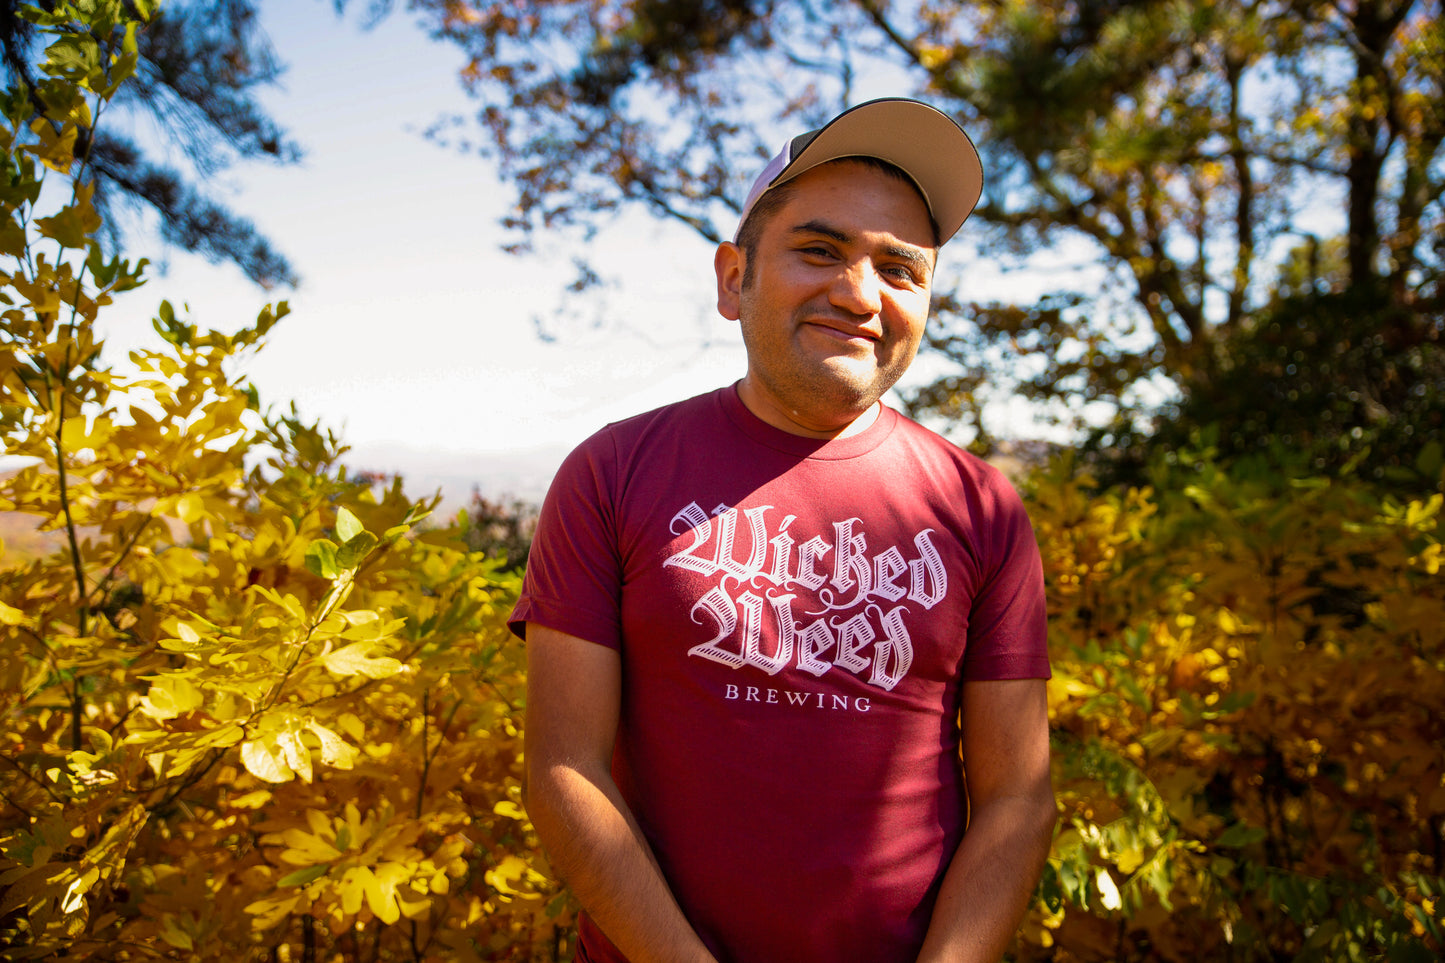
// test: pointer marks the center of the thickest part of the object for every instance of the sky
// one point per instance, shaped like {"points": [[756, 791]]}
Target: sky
{"points": [[412, 334]]}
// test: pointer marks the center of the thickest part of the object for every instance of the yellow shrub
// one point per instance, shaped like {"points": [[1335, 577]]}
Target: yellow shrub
{"points": [[1248, 710], [251, 710]]}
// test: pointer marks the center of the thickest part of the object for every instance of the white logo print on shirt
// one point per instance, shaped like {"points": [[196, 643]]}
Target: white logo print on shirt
{"points": [[856, 622]]}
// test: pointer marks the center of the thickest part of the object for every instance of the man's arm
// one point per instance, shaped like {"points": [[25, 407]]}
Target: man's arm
{"points": [[573, 699], [1011, 823]]}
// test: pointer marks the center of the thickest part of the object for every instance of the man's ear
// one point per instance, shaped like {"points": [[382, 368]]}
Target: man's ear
{"points": [[728, 263]]}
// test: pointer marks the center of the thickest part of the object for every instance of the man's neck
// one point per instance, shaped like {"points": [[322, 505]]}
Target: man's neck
{"points": [[799, 423]]}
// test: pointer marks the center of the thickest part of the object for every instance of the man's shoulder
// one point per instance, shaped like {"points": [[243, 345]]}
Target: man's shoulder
{"points": [[959, 475], [702, 406], [927, 440], [667, 423]]}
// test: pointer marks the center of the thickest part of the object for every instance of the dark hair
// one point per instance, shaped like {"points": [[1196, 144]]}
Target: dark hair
{"points": [[771, 201]]}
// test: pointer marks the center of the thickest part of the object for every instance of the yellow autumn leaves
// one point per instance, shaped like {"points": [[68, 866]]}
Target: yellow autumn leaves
{"points": [[251, 703], [346, 862], [278, 749], [1249, 683]]}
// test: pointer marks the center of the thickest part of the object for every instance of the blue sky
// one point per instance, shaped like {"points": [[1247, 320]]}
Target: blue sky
{"points": [[411, 332]]}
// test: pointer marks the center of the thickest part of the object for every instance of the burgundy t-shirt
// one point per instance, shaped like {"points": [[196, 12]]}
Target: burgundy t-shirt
{"points": [[796, 618]]}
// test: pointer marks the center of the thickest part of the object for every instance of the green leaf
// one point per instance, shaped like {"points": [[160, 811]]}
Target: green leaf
{"points": [[321, 559], [1239, 835], [304, 875], [347, 525], [1431, 460], [356, 549], [72, 57]]}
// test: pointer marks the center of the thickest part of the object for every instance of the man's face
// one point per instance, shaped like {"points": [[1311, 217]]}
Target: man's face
{"points": [[836, 299]]}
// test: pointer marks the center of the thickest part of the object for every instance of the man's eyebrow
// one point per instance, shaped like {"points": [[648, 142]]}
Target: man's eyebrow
{"points": [[825, 229], [918, 257]]}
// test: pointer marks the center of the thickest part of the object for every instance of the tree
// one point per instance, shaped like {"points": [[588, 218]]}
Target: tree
{"points": [[1188, 151], [1333, 375], [199, 64], [252, 710]]}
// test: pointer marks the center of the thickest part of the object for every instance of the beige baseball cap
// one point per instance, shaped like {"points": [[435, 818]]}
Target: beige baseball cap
{"points": [[922, 141]]}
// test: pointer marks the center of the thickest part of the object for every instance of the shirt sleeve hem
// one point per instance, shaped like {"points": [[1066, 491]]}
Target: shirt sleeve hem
{"points": [[1018, 667], [566, 619]]}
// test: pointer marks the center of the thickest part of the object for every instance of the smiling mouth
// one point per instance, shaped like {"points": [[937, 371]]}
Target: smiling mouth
{"points": [[843, 334]]}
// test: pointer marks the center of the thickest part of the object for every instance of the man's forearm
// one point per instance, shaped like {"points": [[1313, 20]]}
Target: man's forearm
{"points": [[990, 879], [598, 850]]}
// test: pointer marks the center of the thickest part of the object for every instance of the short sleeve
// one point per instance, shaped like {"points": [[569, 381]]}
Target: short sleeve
{"points": [[1008, 622], [573, 578]]}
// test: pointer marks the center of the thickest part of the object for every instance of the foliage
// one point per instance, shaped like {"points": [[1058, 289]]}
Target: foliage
{"points": [[198, 66], [251, 711], [1346, 379], [501, 529], [1248, 707], [1191, 151]]}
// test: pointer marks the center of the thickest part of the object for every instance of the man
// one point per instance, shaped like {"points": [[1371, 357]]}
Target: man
{"points": [[763, 623]]}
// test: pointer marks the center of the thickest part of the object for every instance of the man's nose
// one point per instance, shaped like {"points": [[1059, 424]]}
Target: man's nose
{"points": [[859, 289]]}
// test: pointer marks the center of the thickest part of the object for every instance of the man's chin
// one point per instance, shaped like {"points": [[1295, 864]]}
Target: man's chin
{"points": [[847, 400], [849, 384]]}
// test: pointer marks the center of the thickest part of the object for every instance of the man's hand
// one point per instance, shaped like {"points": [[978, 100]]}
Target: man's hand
{"points": [[573, 699]]}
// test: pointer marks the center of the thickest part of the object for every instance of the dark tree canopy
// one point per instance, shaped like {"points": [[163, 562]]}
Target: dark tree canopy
{"points": [[201, 63], [1206, 157]]}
